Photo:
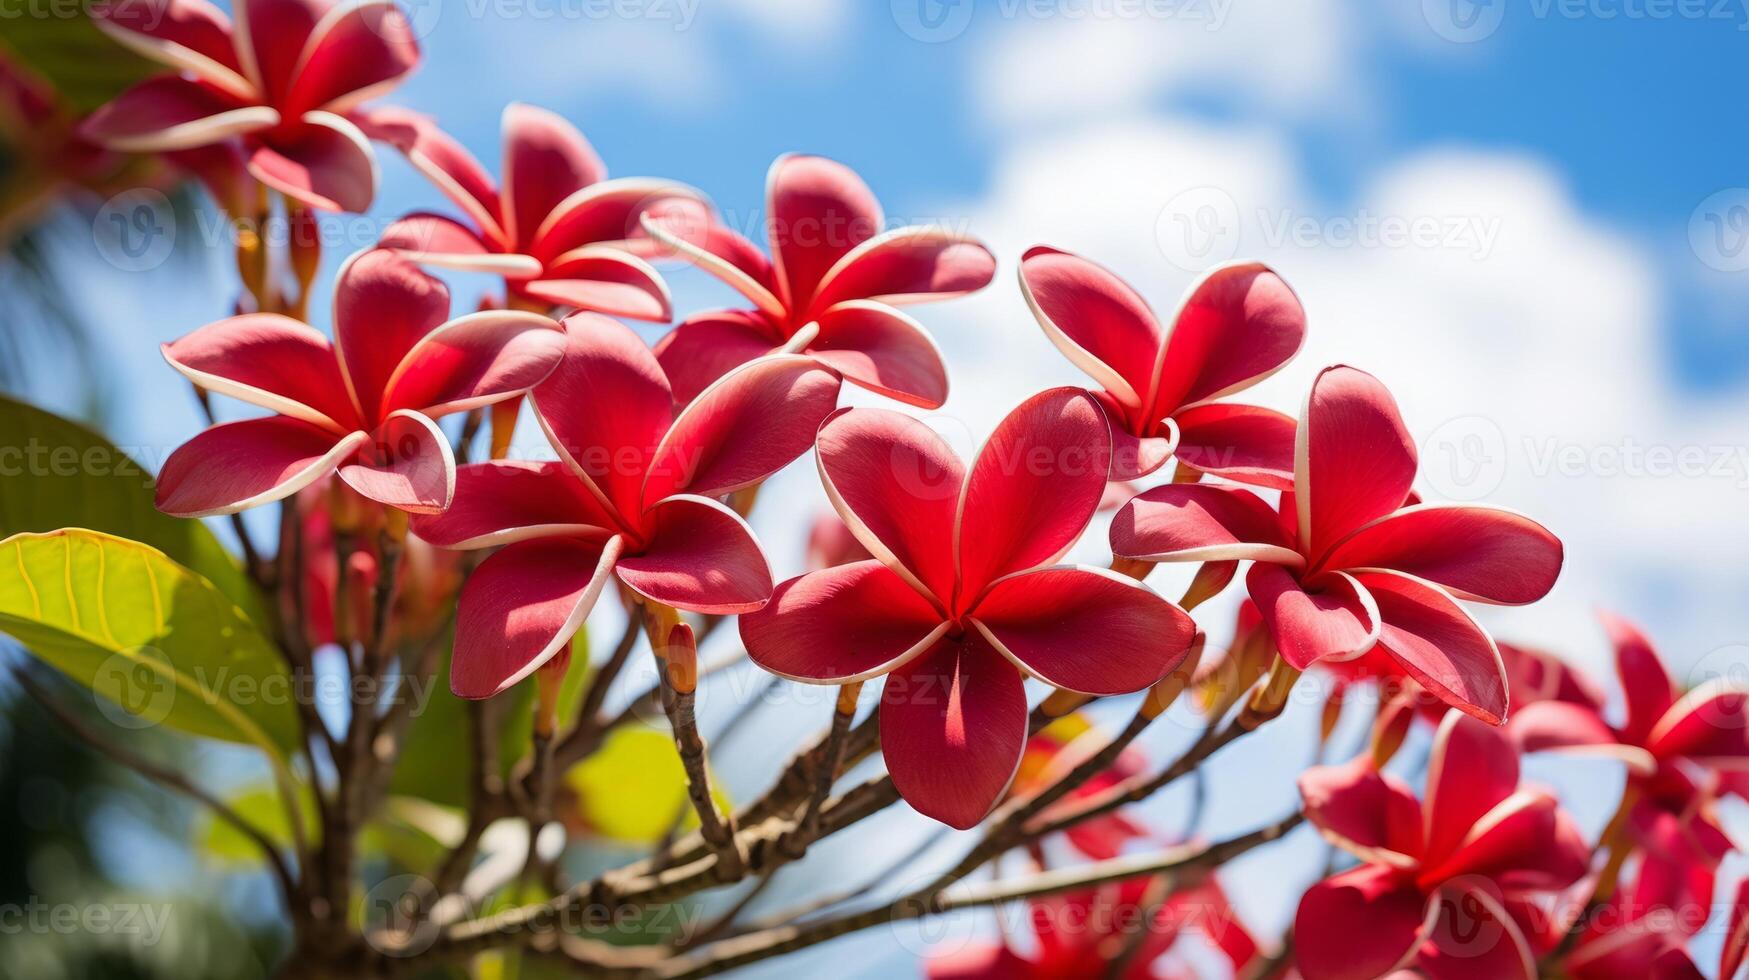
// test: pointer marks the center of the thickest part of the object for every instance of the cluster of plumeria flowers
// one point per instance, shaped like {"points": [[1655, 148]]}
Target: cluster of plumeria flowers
{"points": [[947, 576]]}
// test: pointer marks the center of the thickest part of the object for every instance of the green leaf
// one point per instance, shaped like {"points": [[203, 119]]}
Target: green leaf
{"points": [[85, 67], [55, 473], [147, 634], [633, 788], [259, 805]]}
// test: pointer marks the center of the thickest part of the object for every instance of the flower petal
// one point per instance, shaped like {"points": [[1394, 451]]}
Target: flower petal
{"points": [[908, 265], [953, 724], [1354, 460], [605, 407], [1365, 812], [1557, 726], [170, 112], [841, 624], [191, 35], [268, 360], [1472, 769], [325, 162], [603, 279], [1085, 629], [1736, 945], [474, 361], [504, 501], [432, 239], [1521, 843], [1327, 944], [1032, 490], [1474, 936], [700, 556], [271, 35], [1482, 553], [443, 161], [521, 607], [749, 424], [1439, 645], [1245, 443], [358, 51], [611, 213], [545, 161], [1646, 684], [1099, 323], [816, 211], [1709, 725], [879, 348], [383, 306], [694, 236], [896, 485], [1336, 622], [237, 465], [1200, 522], [1237, 326], [408, 465], [706, 346]]}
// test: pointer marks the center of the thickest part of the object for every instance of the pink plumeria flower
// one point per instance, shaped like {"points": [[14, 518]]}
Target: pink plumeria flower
{"points": [[631, 496], [559, 232], [1675, 747], [830, 289], [284, 81], [1345, 566], [1236, 326], [363, 406], [1438, 878], [963, 600]]}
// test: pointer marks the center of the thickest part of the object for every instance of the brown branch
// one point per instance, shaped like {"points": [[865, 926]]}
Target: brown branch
{"points": [[795, 843], [679, 676]]}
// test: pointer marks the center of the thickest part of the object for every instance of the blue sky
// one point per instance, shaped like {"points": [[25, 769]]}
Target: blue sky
{"points": [[1574, 316]]}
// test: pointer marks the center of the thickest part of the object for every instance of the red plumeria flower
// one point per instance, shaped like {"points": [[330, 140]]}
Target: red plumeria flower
{"points": [[829, 289], [559, 232], [285, 81], [1345, 565], [1663, 738], [1644, 929], [1238, 325], [1437, 878], [631, 495], [963, 599], [1058, 748], [1531, 676], [1079, 934], [363, 405]]}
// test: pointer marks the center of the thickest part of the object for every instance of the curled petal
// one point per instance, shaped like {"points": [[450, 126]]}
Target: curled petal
{"points": [[700, 556], [545, 160], [841, 624], [407, 465], [708, 345], [1200, 522], [908, 265], [237, 465], [719, 251], [191, 35], [383, 306], [1337, 622], [1709, 725], [1437, 643], [476, 360], [432, 239], [816, 211], [606, 280], [896, 485], [605, 407], [172, 113], [1473, 552], [876, 347], [268, 360], [1327, 944], [1238, 442], [1084, 629], [358, 51], [953, 724], [1472, 769], [1354, 460], [1647, 685], [325, 162], [1237, 326], [611, 213], [504, 501], [521, 607], [1557, 726], [1032, 490], [1365, 812], [1095, 319], [749, 424]]}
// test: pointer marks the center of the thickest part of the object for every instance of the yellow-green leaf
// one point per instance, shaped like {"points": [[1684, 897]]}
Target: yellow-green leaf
{"points": [[633, 788], [147, 634], [259, 805]]}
